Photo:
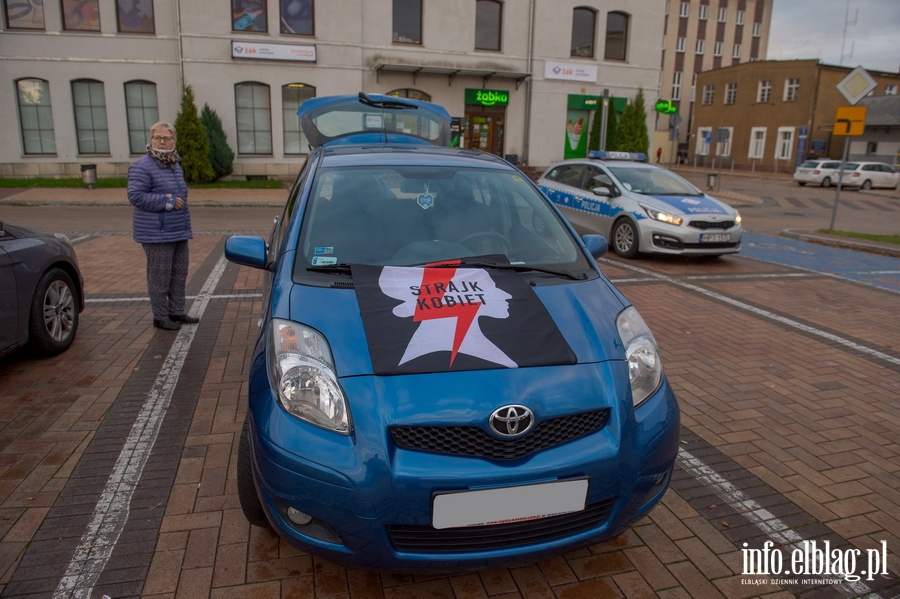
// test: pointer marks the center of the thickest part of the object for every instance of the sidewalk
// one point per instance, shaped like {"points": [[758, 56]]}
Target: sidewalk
{"points": [[72, 196]]}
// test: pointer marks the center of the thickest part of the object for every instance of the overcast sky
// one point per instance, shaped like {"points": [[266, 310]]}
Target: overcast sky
{"points": [[815, 29]]}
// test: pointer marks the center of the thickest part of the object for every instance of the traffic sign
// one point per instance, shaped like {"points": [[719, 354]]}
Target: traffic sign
{"points": [[856, 85], [850, 120]]}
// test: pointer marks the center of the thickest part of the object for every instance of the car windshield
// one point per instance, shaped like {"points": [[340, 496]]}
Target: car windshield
{"points": [[650, 180], [403, 215]]}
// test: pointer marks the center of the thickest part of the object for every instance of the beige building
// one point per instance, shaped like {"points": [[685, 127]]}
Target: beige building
{"points": [[702, 35], [771, 115], [84, 80]]}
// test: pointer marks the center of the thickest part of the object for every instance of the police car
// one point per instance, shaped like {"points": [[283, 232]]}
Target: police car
{"points": [[641, 207]]}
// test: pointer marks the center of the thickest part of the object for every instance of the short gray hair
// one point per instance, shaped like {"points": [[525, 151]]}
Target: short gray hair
{"points": [[163, 125]]}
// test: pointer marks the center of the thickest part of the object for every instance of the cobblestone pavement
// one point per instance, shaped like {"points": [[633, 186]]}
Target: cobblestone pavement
{"points": [[788, 378]]}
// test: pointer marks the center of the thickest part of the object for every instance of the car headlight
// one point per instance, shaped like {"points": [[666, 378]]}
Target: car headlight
{"points": [[737, 219], [661, 216], [302, 370], [644, 364]]}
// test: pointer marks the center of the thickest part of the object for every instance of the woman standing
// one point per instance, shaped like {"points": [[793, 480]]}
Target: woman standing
{"points": [[162, 225]]}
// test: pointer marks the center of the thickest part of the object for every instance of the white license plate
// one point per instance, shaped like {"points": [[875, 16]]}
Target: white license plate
{"points": [[715, 237], [508, 504]]}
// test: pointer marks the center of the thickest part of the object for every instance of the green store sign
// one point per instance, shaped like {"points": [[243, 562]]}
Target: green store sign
{"points": [[666, 107], [487, 97]]}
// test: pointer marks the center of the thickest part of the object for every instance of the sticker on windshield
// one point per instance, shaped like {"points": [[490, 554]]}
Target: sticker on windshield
{"points": [[324, 251], [425, 200], [324, 261]]}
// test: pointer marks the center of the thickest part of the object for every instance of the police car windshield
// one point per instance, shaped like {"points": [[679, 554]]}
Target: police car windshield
{"points": [[650, 180], [412, 215]]}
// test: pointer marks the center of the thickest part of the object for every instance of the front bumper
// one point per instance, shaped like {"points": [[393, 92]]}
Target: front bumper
{"points": [[664, 238], [371, 501]]}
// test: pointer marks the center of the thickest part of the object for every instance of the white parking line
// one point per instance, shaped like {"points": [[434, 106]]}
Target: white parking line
{"points": [[111, 513], [762, 518]]}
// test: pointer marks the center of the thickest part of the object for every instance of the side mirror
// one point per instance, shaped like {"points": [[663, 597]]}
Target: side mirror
{"points": [[596, 245], [602, 191], [246, 251]]}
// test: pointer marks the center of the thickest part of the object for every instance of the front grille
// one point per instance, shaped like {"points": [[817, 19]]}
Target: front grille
{"points": [[475, 442], [426, 539], [705, 224]]}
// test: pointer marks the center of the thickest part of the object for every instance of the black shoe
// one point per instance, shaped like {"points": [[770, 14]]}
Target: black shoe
{"points": [[184, 318], [166, 324]]}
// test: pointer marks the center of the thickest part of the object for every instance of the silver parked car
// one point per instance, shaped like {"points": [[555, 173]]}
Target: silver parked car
{"points": [[41, 291], [869, 175], [822, 171], [641, 207]]}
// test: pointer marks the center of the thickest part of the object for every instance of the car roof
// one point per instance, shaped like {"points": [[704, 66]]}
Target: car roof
{"points": [[352, 155], [626, 159]]}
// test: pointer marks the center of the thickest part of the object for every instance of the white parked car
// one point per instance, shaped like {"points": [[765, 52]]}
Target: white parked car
{"points": [[868, 175], [822, 171]]}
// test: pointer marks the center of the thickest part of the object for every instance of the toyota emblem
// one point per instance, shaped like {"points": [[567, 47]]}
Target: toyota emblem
{"points": [[512, 421]]}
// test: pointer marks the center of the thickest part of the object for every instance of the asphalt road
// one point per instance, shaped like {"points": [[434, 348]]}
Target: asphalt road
{"points": [[784, 360]]}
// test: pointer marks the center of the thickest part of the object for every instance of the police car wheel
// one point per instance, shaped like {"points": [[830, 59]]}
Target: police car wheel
{"points": [[625, 239]]}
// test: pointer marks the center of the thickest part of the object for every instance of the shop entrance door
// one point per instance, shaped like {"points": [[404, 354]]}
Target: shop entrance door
{"points": [[486, 127]]}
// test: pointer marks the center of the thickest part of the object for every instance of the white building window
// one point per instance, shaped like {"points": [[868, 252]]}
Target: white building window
{"points": [[679, 45], [36, 116], [764, 91], [740, 17], [698, 47], [757, 143], [724, 136], [890, 89], [785, 145], [141, 111], [723, 12], [91, 126], [676, 86], [704, 137], [717, 49], [253, 115], [757, 29], [704, 9], [684, 10], [736, 53], [791, 89], [731, 93], [709, 93]]}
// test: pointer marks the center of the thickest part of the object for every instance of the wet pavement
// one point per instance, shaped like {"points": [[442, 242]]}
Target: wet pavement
{"points": [[117, 458]]}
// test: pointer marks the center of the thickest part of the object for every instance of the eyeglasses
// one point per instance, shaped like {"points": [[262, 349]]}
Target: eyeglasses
{"points": [[165, 138]]}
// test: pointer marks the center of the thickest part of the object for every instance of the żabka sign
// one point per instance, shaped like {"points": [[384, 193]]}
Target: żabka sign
{"points": [[487, 97]]}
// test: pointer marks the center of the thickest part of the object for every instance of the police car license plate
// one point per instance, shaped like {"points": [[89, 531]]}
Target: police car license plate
{"points": [[715, 237], [508, 504]]}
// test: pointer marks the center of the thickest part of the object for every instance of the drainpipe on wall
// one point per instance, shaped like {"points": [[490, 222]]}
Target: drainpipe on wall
{"points": [[180, 47], [527, 133]]}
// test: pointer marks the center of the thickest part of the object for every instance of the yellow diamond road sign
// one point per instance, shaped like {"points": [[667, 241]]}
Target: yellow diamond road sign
{"points": [[850, 120], [856, 85]]}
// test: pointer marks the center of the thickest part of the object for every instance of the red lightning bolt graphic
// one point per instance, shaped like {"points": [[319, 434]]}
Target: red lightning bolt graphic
{"points": [[439, 278]]}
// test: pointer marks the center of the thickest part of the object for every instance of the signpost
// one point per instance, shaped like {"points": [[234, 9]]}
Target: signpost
{"points": [[850, 121]]}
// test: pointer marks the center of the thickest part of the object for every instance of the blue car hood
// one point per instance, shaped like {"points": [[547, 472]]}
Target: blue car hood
{"points": [[692, 204], [584, 312]]}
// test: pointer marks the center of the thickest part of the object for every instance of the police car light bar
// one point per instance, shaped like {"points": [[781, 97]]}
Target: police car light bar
{"points": [[602, 155]]}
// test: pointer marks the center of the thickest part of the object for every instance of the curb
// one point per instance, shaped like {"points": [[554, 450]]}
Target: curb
{"points": [[843, 242]]}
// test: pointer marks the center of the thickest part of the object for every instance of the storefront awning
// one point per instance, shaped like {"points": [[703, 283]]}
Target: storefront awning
{"points": [[450, 72]]}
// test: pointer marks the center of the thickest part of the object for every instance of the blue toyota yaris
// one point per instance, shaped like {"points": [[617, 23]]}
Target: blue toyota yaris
{"points": [[443, 376]]}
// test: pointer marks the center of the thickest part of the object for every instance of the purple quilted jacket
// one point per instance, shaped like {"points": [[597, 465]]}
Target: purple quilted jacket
{"points": [[148, 183]]}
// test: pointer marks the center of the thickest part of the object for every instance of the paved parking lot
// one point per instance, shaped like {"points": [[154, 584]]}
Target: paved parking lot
{"points": [[117, 459]]}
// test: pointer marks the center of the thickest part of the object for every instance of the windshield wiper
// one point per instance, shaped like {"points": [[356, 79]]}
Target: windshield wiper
{"points": [[384, 103], [517, 268], [336, 268]]}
